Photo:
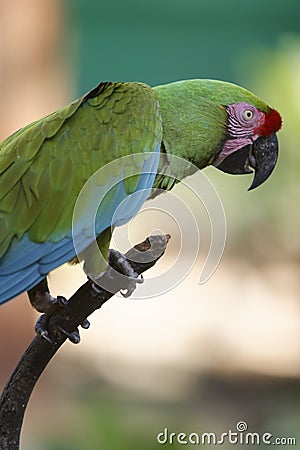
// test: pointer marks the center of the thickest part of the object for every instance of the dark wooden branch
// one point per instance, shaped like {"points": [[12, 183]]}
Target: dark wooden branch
{"points": [[86, 300]]}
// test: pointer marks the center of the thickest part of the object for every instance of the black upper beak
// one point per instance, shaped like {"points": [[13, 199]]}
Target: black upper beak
{"points": [[261, 156]]}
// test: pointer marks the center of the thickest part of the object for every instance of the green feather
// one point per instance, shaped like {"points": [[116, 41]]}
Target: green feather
{"points": [[195, 121], [44, 166], [194, 127]]}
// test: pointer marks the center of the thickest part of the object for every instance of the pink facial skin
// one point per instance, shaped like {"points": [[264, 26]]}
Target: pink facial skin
{"points": [[245, 124]]}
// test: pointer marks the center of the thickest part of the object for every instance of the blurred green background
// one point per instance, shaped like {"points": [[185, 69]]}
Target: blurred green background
{"points": [[200, 359]]}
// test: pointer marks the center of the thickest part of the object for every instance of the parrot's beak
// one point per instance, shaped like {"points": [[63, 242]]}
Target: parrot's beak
{"points": [[261, 156]]}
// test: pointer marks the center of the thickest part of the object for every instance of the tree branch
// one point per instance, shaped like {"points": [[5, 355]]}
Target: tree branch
{"points": [[86, 300]]}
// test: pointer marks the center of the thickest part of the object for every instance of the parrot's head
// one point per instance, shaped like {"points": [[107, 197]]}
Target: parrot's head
{"points": [[212, 122], [251, 142]]}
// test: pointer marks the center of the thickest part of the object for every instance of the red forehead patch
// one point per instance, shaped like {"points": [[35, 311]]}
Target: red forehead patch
{"points": [[271, 124]]}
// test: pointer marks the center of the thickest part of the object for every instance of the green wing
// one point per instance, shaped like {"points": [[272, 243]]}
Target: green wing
{"points": [[44, 165]]}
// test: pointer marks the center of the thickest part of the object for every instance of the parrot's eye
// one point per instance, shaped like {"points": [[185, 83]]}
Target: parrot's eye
{"points": [[248, 114]]}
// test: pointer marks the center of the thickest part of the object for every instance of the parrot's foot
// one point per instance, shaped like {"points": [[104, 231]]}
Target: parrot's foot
{"points": [[130, 288], [118, 262], [42, 325], [43, 302]]}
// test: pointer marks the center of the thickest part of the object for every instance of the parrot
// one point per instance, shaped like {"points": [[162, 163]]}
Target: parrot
{"points": [[45, 165]]}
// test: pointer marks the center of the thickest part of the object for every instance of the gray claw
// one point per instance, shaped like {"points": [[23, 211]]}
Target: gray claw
{"points": [[131, 286], [117, 262], [73, 336], [127, 293], [40, 328], [61, 301], [85, 324], [140, 280], [44, 335]]}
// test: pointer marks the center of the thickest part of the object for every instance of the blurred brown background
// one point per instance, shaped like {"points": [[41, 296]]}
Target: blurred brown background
{"points": [[199, 358]]}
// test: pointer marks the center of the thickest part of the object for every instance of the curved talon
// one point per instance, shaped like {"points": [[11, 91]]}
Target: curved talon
{"points": [[85, 324], [140, 280], [40, 328], [127, 293], [131, 286], [119, 264], [44, 334], [61, 301], [73, 336], [96, 288]]}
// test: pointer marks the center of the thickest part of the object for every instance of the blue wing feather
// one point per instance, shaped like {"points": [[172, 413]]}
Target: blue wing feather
{"points": [[26, 262]]}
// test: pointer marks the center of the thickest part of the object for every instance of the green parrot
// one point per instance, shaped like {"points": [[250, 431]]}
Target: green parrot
{"points": [[45, 165]]}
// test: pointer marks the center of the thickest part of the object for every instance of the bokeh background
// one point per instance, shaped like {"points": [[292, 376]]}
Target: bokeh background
{"points": [[199, 358]]}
